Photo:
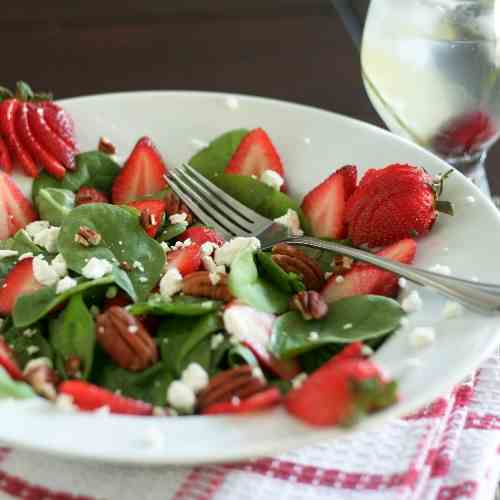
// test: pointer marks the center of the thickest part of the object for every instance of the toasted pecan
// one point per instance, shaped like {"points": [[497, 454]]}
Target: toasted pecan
{"points": [[310, 304], [200, 284]]}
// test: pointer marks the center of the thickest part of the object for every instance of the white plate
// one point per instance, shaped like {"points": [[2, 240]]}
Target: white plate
{"points": [[312, 143]]}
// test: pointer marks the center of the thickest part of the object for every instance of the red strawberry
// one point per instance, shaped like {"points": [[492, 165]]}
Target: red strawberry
{"points": [[49, 139], [465, 134], [254, 156], [152, 214], [89, 397], [8, 360], [325, 205], [143, 173], [340, 392], [8, 111], [400, 201], [364, 279], [60, 122], [354, 350], [258, 402], [253, 328], [16, 211], [19, 281], [38, 152], [87, 194], [187, 260], [202, 234], [5, 159]]}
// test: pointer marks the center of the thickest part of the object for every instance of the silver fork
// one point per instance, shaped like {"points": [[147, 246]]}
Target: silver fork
{"points": [[216, 208]]}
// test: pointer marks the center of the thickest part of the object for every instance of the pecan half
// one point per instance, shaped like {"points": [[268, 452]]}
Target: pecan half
{"points": [[86, 236], [238, 382], [293, 260], [204, 284], [174, 205], [106, 146], [125, 339], [43, 379], [310, 304]]}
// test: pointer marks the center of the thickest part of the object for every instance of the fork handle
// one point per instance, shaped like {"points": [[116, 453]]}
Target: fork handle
{"points": [[483, 298]]}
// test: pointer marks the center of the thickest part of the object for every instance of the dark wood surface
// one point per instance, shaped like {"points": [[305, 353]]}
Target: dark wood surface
{"points": [[289, 49]]}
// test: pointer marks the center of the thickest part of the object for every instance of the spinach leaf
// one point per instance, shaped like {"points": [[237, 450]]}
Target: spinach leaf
{"points": [[172, 231], [240, 355], [245, 284], [179, 306], [28, 343], [183, 340], [348, 320], [21, 243], [93, 168], [213, 159], [123, 239], [32, 307], [269, 270], [55, 204], [73, 334], [11, 389], [149, 385]]}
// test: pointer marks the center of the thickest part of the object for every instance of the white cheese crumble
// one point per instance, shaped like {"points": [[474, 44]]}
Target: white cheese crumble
{"points": [[47, 238], [298, 380], [232, 103], [216, 341], [43, 272], [195, 377], [208, 248], [179, 218], [228, 252], [59, 265], [328, 275], [313, 336], [143, 279], [412, 303], [291, 221], [245, 323], [347, 326], [138, 265], [181, 396], [214, 278], [171, 283], [339, 279], [402, 282], [272, 179], [29, 332], [36, 227], [8, 253], [422, 336], [32, 349], [65, 284], [210, 265], [26, 255], [440, 269], [452, 310], [96, 268]]}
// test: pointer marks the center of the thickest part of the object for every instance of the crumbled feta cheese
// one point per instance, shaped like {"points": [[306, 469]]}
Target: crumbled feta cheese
{"points": [[412, 303], [182, 244], [59, 265], [452, 310], [440, 269], [29, 332], [8, 253], [171, 283], [347, 326], [328, 276], [64, 402], [208, 248], [291, 221], [422, 336], [339, 279], [143, 279], [36, 227], [65, 284], [43, 272], [195, 377], [298, 380], [228, 252], [138, 265], [313, 336], [402, 282], [111, 292], [210, 265], [96, 268], [133, 329], [165, 246], [214, 278], [216, 341], [272, 179], [47, 238], [179, 218], [232, 102], [470, 200], [26, 255], [245, 323], [32, 349], [181, 396]]}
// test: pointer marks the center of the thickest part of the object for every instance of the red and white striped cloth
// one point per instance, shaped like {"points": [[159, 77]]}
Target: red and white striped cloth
{"points": [[449, 450]]}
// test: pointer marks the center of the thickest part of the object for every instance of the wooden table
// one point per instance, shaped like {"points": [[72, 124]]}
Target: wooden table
{"points": [[296, 50]]}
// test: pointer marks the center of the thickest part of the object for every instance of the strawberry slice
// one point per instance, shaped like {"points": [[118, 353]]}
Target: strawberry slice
{"points": [[8, 111], [143, 173], [16, 211], [19, 281], [152, 214], [254, 328], [60, 122], [187, 260], [89, 397], [340, 392], [5, 160], [202, 234], [258, 402], [38, 152], [255, 154], [8, 360], [325, 205], [364, 279]]}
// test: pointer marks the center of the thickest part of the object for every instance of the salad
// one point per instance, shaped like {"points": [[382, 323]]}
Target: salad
{"points": [[113, 297]]}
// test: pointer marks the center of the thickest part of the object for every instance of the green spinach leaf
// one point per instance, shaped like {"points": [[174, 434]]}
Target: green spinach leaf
{"points": [[269, 270], [179, 306], [239, 355], [172, 231], [11, 389], [348, 320], [123, 239], [246, 285], [28, 343], [55, 204]]}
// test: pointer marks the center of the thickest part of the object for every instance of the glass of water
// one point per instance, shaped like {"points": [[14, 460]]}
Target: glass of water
{"points": [[432, 71]]}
